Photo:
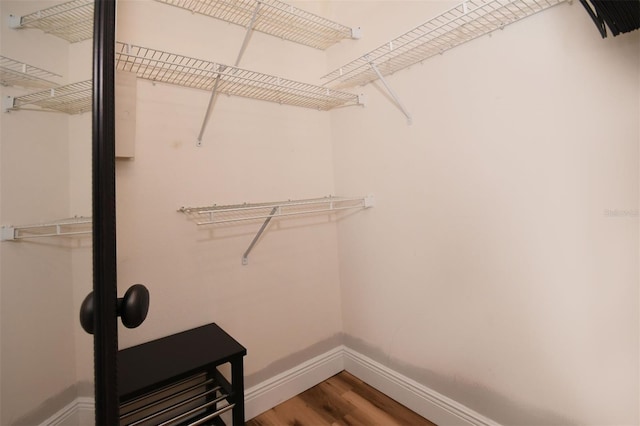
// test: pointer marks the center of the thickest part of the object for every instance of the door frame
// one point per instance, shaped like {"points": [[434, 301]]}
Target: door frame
{"points": [[105, 347]]}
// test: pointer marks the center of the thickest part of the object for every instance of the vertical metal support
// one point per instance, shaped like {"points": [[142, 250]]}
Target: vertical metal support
{"points": [[245, 256], [391, 92], [212, 99], [247, 35]]}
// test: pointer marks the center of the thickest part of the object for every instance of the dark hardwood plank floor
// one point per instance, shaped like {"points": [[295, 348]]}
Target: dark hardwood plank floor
{"points": [[340, 400]]}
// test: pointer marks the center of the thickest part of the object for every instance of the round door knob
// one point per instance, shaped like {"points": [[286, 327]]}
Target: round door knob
{"points": [[132, 308], [86, 313]]}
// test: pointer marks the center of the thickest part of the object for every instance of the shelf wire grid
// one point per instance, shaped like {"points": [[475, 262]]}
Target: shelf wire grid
{"points": [[16, 73], [77, 225], [70, 99], [274, 17], [463, 23], [71, 21], [228, 214], [171, 68]]}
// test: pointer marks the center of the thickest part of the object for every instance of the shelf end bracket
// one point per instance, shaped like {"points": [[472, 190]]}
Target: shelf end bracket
{"points": [[245, 256], [7, 233], [8, 103], [368, 201], [14, 21]]}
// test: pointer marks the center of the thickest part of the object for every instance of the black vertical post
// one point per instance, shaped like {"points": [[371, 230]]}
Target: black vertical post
{"points": [[104, 215], [237, 386]]}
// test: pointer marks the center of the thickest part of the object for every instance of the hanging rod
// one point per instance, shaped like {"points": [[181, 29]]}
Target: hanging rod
{"points": [[275, 18], [466, 21], [16, 73], [71, 21], [215, 214], [171, 68], [74, 226]]}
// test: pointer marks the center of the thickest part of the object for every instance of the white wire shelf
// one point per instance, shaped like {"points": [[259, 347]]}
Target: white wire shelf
{"points": [[171, 68], [71, 21], [273, 17], [66, 227], [70, 99], [465, 22], [16, 73], [215, 214], [229, 214]]}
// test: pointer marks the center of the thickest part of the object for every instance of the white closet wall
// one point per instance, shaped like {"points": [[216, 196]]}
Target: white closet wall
{"points": [[38, 318], [287, 299], [492, 269], [80, 145]]}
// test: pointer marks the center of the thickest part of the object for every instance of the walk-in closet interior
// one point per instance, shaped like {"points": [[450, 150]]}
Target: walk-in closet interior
{"points": [[440, 197]]}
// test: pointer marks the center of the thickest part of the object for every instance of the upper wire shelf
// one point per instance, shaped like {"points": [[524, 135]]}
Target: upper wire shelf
{"points": [[71, 21], [464, 22], [165, 67], [272, 17], [66, 227], [70, 99], [215, 214], [15, 73]]}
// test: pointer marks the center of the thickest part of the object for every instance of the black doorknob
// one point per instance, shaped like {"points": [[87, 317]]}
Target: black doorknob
{"points": [[132, 308]]}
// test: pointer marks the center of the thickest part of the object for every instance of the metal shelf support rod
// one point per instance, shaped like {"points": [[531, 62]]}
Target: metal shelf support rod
{"points": [[391, 92], [212, 99], [282, 204], [277, 214], [245, 256]]}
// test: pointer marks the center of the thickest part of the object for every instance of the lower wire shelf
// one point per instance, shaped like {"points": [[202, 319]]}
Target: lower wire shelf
{"points": [[72, 98], [197, 400], [76, 225], [213, 215]]}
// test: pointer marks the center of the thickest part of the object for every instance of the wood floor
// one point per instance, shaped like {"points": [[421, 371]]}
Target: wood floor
{"points": [[340, 400]]}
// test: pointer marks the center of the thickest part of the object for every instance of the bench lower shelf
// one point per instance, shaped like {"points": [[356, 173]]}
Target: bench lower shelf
{"points": [[176, 380]]}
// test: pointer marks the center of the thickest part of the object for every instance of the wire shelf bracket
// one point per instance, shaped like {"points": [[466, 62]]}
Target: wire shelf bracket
{"points": [[78, 225], [16, 73], [215, 215], [393, 94], [460, 24], [69, 99], [212, 99], [71, 21], [275, 18], [165, 67]]}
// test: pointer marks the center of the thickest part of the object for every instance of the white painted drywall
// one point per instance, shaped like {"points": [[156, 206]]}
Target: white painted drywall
{"points": [[494, 267], [488, 270], [36, 316], [80, 145], [287, 299]]}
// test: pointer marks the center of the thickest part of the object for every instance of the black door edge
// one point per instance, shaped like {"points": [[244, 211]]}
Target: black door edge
{"points": [[104, 215]]}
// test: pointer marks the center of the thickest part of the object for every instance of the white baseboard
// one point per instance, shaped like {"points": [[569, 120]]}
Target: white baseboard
{"points": [[271, 392], [266, 395], [73, 413], [416, 396], [419, 398]]}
